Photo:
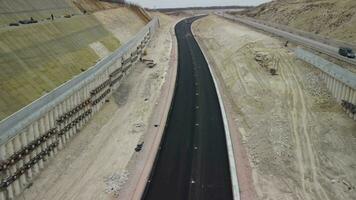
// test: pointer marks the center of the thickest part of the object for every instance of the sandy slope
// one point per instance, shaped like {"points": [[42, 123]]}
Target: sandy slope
{"points": [[122, 22], [332, 18], [301, 145]]}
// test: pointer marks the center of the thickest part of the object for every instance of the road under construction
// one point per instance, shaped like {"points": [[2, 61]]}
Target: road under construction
{"points": [[192, 162]]}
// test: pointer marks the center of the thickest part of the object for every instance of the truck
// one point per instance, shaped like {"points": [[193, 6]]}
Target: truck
{"points": [[347, 52]]}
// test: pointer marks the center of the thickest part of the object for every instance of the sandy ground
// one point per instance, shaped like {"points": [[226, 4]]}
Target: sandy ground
{"points": [[331, 18], [300, 144], [115, 19], [95, 163], [141, 164]]}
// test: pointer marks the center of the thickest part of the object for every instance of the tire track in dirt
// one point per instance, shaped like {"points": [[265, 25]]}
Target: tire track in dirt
{"points": [[311, 153], [294, 125], [308, 155]]}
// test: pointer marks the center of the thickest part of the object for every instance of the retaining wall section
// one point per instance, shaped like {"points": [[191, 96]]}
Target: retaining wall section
{"points": [[33, 135], [340, 81]]}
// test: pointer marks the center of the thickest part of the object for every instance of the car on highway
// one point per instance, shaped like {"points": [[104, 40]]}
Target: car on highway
{"points": [[347, 52]]}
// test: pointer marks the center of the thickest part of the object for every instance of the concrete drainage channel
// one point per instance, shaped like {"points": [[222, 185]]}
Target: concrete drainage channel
{"points": [[34, 134]]}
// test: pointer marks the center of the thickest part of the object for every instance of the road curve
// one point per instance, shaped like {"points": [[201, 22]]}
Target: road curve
{"points": [[307, 42], [192, 162]]}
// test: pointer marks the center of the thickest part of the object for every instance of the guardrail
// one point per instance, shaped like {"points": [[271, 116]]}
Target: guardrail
{"points": [[35, 133]]}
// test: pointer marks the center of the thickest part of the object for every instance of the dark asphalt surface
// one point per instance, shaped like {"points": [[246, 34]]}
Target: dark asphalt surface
{"points": [[192, 162]]}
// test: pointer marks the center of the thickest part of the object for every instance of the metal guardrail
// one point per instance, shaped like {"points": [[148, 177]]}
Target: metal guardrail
{"points": [[15, 123], [297, 38], [339, 73]]}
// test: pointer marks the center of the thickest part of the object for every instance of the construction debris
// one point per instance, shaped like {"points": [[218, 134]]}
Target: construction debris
{"points": [[267, 61], [149, 63], [139, 147]]}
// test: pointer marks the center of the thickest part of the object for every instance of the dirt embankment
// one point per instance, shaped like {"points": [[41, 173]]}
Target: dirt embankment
{"points": [[300, 143], [93, 5], [123, 22], [332, 18], [36, 58]]}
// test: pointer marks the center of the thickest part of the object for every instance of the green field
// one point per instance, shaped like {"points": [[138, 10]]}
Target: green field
{"points": [[34, 59]]}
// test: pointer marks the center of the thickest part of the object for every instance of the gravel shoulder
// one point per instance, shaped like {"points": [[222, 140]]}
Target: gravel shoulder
{"points": [[299, 142]]}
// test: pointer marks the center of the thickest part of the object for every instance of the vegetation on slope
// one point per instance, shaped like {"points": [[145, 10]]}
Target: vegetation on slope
{"points": [[35, 59], [331, 18]]}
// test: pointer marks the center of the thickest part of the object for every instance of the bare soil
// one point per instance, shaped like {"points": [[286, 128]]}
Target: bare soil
{"points": [[332, 18], [300, 143], [123, 22]]}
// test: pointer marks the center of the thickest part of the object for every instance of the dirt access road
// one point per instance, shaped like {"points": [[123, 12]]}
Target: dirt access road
{"points": [[300, 143]]}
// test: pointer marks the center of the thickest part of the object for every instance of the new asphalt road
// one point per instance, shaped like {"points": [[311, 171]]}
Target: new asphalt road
{"points": [[192, 162]]}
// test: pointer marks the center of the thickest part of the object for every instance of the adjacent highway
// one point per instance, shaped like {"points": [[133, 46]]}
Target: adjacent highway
{"points": [[307, 42], [192, 162]]}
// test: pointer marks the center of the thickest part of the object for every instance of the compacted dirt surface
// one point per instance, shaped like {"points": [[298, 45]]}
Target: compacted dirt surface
{"points": [[98, 161], [299, 142]]}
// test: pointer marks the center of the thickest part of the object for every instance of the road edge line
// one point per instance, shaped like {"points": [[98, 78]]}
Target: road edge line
{"points": [[232, 160]]}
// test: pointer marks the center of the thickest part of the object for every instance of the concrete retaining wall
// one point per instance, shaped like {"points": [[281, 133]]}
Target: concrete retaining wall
{"points": [[35, 133], [340, 82]]}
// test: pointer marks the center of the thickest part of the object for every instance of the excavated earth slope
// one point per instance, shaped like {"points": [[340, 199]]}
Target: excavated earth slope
{"points": [[333, 18], [36, 58]]}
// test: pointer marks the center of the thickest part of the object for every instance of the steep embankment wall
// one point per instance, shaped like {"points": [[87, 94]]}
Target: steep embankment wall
{"points": [[36, 58], [33, 135], [332, 18]]}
